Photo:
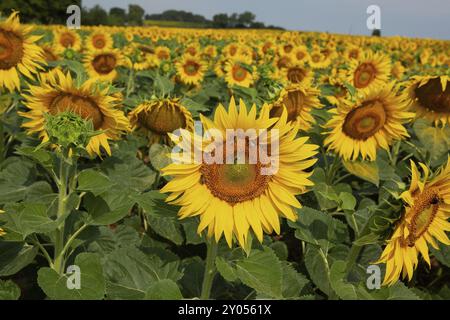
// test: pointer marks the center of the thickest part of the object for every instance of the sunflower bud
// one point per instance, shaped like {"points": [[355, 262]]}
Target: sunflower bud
{"points": [[69, 130]]}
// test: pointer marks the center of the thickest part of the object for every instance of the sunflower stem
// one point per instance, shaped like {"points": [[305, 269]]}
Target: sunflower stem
{"points": [[210, 268]]}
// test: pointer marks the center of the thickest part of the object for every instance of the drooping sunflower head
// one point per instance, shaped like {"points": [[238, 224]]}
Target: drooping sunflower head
{"points": [[430, 97], [19, 53], [99, 40], [158, 118], [371, 71], [297, 101], [102, 64], [425, 220], [232, 197], [89, 101], [370, 123], [296, 73], [190, 69]]}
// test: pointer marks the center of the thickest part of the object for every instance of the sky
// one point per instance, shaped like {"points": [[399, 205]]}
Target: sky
{"points": [[412, 18]]}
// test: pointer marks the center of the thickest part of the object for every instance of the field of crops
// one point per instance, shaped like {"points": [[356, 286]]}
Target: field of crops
{"points": [[169, 163]]}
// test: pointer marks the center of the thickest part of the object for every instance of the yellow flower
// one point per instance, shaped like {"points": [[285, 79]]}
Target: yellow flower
{"points": [[425, 219], [60, 94], [430, 97], [298, 100], [99, 40], [232, 198], [67, 39], [101, 64], [19, 53], [190, 70], [158, 118], [372, 122], [371, 71], [239, 73]]}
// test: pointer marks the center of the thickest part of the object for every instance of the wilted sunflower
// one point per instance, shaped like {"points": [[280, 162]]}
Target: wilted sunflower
{"points": [[60, 94], [232, 198], [158, 118], [101, 64], [190, 69], [67, 39], [369, 72], [427, 209], [298, 100], [431, 97], [18, 52], [99, 40], [372, 122]]}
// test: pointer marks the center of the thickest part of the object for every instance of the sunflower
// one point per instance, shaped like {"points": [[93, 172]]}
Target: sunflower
{"points": [[232, 198], [370, 123], [298, 100], [300, 54], [297, 73], [101, 64], [318, 60], [162, 53], [431, 97], [67, 39], [425, 219], [239, 73], [158, 118], [190, 70], [371, 71], [60, 94], [398, 70], [18, 52], [99, 41]]}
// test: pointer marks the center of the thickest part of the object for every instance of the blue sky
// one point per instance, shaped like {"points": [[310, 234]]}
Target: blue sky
{"points": [[414, 18]]}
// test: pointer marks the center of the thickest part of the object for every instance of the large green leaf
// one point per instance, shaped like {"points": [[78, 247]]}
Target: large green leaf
{"points": [[92, 282], [109, 207], [434, 139], [9, 290], [165, 289], [14, 256]]}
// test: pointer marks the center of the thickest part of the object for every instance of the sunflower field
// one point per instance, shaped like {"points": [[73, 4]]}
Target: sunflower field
{"points": [[96, 204]]}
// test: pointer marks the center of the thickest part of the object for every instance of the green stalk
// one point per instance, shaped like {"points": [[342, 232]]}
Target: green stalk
{"points": [[210, 268]]}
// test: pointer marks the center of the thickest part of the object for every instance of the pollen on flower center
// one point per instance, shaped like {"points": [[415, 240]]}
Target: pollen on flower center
{"points": [[364, 121], [82, 106], [11, 49]]}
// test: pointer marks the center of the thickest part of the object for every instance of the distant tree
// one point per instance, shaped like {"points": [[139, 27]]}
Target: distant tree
{"points": [[117, 16], [43, 11], [233, 20], [94, 16], [135, 14], [257, 25], [246, 18], [220, 20], [376, 33]]}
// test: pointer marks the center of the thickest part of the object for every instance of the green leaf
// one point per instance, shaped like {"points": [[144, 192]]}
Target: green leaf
{"points": [[167, 227], [318, 228], [92, 282], [398, 291], [316, 262], [443, 254], [94, 181], [348, 201], [226, 270], [9, 290], [190, 231], [164, 289], [343, 289], [435, 140], [28, 218], [158, 155], [293, 281], [14, 256], [130, 273], [366, 170], [262, 271], [108, 208]]}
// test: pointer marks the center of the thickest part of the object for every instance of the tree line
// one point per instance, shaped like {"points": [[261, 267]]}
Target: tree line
{"points": [[54, 12]]}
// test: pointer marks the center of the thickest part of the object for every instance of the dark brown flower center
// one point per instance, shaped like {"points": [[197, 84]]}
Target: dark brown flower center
{"points": [[288, 48], [99, 41], [296, 75], [104, 63], [294, 102], [49, 55], [433, 97], [424, 211], [364, 121], [283, 62], [67, 40], [83, 106], [364, 75], [11, 49], [191, 68], [163, 119], [163, 55]]}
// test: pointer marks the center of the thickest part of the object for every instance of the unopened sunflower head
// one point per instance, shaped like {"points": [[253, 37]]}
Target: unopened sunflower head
{"points": [[424, 220]]}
